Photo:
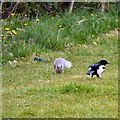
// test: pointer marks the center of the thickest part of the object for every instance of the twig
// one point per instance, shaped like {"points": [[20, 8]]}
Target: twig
{"points": [[71, 6], [1, 7], [58, 34], [13, 9], [78, 22], [53, 28]]}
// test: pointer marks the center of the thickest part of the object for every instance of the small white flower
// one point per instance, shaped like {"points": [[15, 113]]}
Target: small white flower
{"points": [[10, 54], [94, 43], [85, 46], [10, 62], [14, 61]]}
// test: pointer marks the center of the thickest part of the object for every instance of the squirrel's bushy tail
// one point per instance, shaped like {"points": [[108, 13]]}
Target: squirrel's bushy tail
{"points": [[68, 64]]}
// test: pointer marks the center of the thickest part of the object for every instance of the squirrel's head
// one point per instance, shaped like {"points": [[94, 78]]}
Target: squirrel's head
{"points": [[59, 69]]}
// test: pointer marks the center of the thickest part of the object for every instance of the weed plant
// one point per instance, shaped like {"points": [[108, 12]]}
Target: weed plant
{"points": [[22, 36]]}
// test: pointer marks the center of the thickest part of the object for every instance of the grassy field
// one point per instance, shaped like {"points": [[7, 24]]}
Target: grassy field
{"points": [[22, 36], [31, 89]]}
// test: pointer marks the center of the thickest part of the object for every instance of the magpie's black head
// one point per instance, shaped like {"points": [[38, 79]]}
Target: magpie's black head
{"points": [[104, 62]]}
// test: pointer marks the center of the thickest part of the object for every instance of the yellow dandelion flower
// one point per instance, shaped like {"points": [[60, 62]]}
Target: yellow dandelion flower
{"points": [[7, 29], [92, 15], [60, 26], [14, 32], [52, 17], [25, 15], [92, 35], [25, 24], [37, 20], [12, 14], [83, 16]]}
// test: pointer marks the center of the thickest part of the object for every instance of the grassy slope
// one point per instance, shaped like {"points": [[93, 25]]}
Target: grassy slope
{"points": [[53, 33], [33, 90]]}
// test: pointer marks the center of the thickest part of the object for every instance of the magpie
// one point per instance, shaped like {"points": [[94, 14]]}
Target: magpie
{"points": [[97, 68]]}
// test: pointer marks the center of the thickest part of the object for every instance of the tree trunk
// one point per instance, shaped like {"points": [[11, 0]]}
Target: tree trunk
{"points": [[71, 6], [103, 5]]}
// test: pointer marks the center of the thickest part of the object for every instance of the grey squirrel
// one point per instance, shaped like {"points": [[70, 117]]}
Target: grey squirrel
{"points": [[60, 64]]}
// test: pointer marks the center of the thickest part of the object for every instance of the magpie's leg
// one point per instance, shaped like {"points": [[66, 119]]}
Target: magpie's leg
{"points": [[91, 75], [99, 76]]}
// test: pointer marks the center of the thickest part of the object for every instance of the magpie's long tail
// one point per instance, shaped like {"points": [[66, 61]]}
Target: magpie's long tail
{"points": [[90, 72]]}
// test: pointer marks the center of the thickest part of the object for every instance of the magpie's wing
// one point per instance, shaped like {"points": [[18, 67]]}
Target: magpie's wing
{"points": [[90, 72], [94, 66]]}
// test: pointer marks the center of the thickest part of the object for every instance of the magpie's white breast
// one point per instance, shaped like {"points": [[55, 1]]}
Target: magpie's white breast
{"points": [[101, 69]]}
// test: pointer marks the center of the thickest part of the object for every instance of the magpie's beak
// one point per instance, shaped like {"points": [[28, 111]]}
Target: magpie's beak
{"points": [[108, 62]]}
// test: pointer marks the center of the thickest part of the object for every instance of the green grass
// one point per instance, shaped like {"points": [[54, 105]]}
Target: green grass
{"points": [[54, 33], [32, 90]]}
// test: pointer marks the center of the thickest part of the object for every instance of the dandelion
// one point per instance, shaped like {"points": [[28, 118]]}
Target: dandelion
{"points": [[25, 24], [12, 14], [92, 35], [7, 29], [52, 17], [14, 32], [25, 15], [37, 20], [60, 26], [83, 16], [92, 15]]}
